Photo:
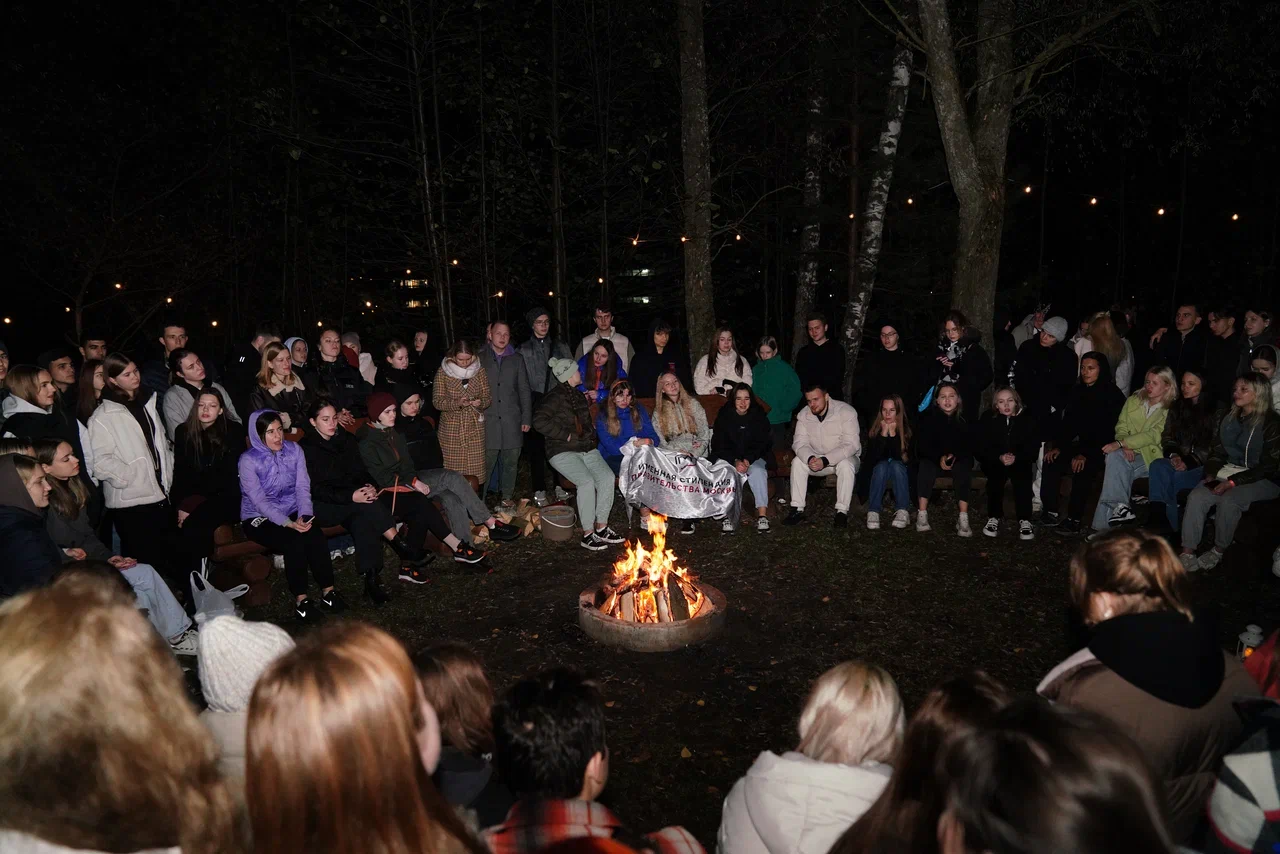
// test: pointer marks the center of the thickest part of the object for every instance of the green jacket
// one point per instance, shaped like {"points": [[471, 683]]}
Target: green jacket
{"points": [[777, 384], [1139, 431], [1263, 457], [386, 455]]}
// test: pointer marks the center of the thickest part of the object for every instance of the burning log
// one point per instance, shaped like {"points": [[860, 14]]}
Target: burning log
{"points": [[649, 586], [679, 604], [628, 601], [664, 605]]}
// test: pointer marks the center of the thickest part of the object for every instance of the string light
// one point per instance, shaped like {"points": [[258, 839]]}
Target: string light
{"points": [[500, 293], [635, 241], [119, 286], [1160, 212], [851, 216], [215, 323], [7, 320], [551, 293], [737, 237], [68, 309], [1026, 189], [600, 279], [1235, 217], [407, 271], [1094, 200], [910, 200], [320, 323], [368, 304], [168, 299], [455, 262], [684, 239]]}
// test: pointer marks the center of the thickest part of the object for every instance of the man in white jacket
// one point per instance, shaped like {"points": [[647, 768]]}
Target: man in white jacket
{"points": [[604, 329], [827, 440]]}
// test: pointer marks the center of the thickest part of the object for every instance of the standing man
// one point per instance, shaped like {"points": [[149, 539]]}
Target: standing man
{"points": [[242, 366], [1184, 348], [821, 361], [537, 352], [1222, 355], [1045, 371], [827, 441], [604, 329], [509, 415], [155, 372], [62, 369], [92, 345]]}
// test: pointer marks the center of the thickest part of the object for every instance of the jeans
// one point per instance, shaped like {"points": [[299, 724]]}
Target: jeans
{"points": [[845, 471], [997, 475], [366, 523], [300, 551], [892, 474], [594, 480], [758, 482], [1231, 506], [1117, 481], [155, 597], [1081, 481], [459, 500], [1166, 483]]}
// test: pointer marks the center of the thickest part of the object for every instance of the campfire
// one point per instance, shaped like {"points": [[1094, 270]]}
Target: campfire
{"points": [[648, 586]]}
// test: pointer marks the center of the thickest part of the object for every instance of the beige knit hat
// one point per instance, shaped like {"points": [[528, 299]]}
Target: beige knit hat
{"points": [[233, 653]]}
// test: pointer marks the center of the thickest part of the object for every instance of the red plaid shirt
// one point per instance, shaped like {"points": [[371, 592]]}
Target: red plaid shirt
{"points": [[558, 821]]}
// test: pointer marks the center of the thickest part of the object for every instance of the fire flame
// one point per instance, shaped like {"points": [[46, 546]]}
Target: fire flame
{"points": [[646, 574]]}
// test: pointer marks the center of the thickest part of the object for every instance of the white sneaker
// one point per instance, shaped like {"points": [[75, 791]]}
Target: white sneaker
{"points": [[1025, 531], [186, 644], [726, 527], [962, 525], [561, 494], [1210, 559], [901, 519], [762, 524], [540, 498], [335, 554], [349, 550], [992, 528], [1191, 563], [922, 521], [1275, 563], [873, 520]]}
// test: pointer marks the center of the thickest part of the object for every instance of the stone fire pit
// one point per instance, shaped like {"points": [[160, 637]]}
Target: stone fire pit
{"points": [[651, 637]]}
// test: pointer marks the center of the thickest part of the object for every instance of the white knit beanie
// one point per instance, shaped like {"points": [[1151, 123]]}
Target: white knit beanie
{"points": [[1057, 327], [233, 654]]}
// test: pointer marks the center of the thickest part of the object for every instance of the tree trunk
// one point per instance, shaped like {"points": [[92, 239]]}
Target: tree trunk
{"points": [[695, 145], [811, 231], [851, 298], [557, 203], [862, 280], [439, 249], [421, 143]]}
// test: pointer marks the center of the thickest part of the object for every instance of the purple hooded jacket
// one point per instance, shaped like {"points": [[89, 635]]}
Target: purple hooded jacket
{"points": [[273, 484]]}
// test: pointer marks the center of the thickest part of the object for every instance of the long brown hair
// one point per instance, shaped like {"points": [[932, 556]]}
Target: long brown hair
{"points": [[24, 382], [100, 748], [66, 497], [113, 366], [206, 441], [266, 376], [86, 396], [611, 421], [453, 679], [333, 763], [714, 350], [593, 378], [904, 427], [1136, 566]]}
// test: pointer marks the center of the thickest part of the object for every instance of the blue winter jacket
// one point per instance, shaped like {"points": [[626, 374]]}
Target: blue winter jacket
{"points": [[611, 446]]}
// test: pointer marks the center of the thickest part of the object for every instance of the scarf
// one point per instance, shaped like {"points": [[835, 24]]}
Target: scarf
{"points": [[455, 371]]}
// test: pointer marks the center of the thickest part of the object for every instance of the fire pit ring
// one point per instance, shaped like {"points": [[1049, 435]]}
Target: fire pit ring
{"points": [[651, 637]]}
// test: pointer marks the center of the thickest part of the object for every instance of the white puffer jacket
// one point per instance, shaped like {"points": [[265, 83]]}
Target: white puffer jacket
{"points": [[121, 459], [791, 804], [724, 372]]}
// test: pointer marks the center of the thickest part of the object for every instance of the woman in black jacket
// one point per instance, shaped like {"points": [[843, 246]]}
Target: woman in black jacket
{"points": [[1088, 423], [1007, 445], [417, 429], [1188, 437], [960, 361], [206, 484], [945, 444], [395, 367], [886, 454], [742, 436], [30, 555]]}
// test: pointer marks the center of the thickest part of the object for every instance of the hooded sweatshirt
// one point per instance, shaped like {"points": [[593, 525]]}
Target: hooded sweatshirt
{"points": [[1089, 417], [30, 555], [791, 804], [273, 484]]}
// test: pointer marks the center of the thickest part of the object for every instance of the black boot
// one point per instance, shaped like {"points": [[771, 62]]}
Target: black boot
{"points": [[409, 555], [373, 588]]}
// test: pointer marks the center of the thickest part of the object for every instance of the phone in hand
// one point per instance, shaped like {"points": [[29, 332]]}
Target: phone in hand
{"points": [[306, 520]]}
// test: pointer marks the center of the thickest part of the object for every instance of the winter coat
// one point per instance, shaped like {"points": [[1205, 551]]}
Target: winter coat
{"points": [[461, 429], [341, 383], [564, 420], [291, 401], [1164, 681], [389, 376], [602, 391], [610, 445], [835, 437], [470, 783], [1026, 330], [419, 433], [778, 385], [648, 364], [970, 370], [998, 434], [1140, 430], [1189, 431], [512, 402], [723, 375], [1006, 355], [791, 804], [939, 435], [537, 352], [742, 437], [1221, 363], [1089, 419], [122, 459], [886, 373], [274, 484], [28, 421], [1183, 352], [1044, 377], [75, 533], [179, 399], [228, 731], [385, 456], [680, 435], [334, 466], [824, 365], [214, 475], [30, 555], [1255, 446], [621, 345]]}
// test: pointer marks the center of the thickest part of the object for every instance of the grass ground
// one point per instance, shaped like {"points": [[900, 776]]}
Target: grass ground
{"points": [[684, 726]]}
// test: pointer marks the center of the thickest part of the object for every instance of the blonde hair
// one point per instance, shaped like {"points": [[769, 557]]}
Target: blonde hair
{"points": [[1165, 373], [99, 746], [664, 409], [1103, 336], [1262, 398], [1137, 567], [266, 376], [1012, 392], [853, 715], [24, 382]]}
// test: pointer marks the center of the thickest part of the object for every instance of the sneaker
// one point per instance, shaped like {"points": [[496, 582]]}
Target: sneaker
{"points": [[1025, 531], [335, 554], [561, 494], [795, 517], [1139, 500], [992, 528], [540, 498], [1189, 562], [687, 526], [1094, 536], [901, 519], [186, 644], [504, 533], [962, 525], [922, 521], [1210, 559], [873, 520], [277, 561], [413, 575], [762, 524], [1122, 515], [610, 536], [306, 611], [349, 550], [1070, 527], [1036, 505], [726, 527], [333, 602], [841, 520], [1050, 520], [466, 554], [592, 542]]}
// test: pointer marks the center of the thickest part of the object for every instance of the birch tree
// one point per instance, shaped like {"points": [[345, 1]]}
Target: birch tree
{"points": [[811, 231]]}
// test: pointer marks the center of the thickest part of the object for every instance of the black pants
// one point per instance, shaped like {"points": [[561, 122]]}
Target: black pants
{"points": [[1081, 482], [998, 474], [535, 451], [961, 476], [300, 551], [366, 523], [213, 513], [419, 514], [150, 534]]}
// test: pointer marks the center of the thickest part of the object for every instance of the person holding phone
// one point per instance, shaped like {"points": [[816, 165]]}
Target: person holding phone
{"points": [[276, 512], [945, 443]]}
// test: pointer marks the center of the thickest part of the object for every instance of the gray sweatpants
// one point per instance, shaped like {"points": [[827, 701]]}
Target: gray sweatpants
{"points": [[1231, 506], [460, 501]]}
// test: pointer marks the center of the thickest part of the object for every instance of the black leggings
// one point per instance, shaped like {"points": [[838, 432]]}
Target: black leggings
{"points": [[997, 475], [150, 534], [366, 523], [420, 515], [961, 476], [213, 513], [300, 551], [535, 451]]}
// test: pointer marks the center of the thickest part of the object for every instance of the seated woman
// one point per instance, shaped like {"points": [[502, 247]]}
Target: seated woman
{"points": [[1242, 468], [299, 353], [945, 441], [1151, 667], [1263, 361], [30, 556], [600, 369], [276, 512], [387, 459], [279, 389], [395, 368], [1088, 423], [743, 437], [886, 453], [186, 381], [564, 419], [1186, 440], [1007, 443], [1136, 446], [804, 800], [343, 493], [68, 525], [206, 481], [722, 367], [418, 430], [681, 423], [620, 421]]}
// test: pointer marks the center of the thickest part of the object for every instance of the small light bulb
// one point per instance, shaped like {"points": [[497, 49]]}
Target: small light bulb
{"points": [[1094, 200], [119, 286], [1235, 217], [68, 309], [910, 201], [215, 323], [168, 299], [635, 241], [551, 293], [499, 293], [684, 239], [407, 272], [1160, 212], [368, 304], [319, 323], [455, 262], [852, 216], [1026, 189], [600, 279], [7, 320], [737, 237]]}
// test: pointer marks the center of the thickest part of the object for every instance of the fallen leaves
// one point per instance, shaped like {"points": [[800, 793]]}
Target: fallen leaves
{"points": [[684, 753]]}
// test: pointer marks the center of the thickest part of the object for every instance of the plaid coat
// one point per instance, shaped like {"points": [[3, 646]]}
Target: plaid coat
{"points": [[557, 821], [461, 429]]}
